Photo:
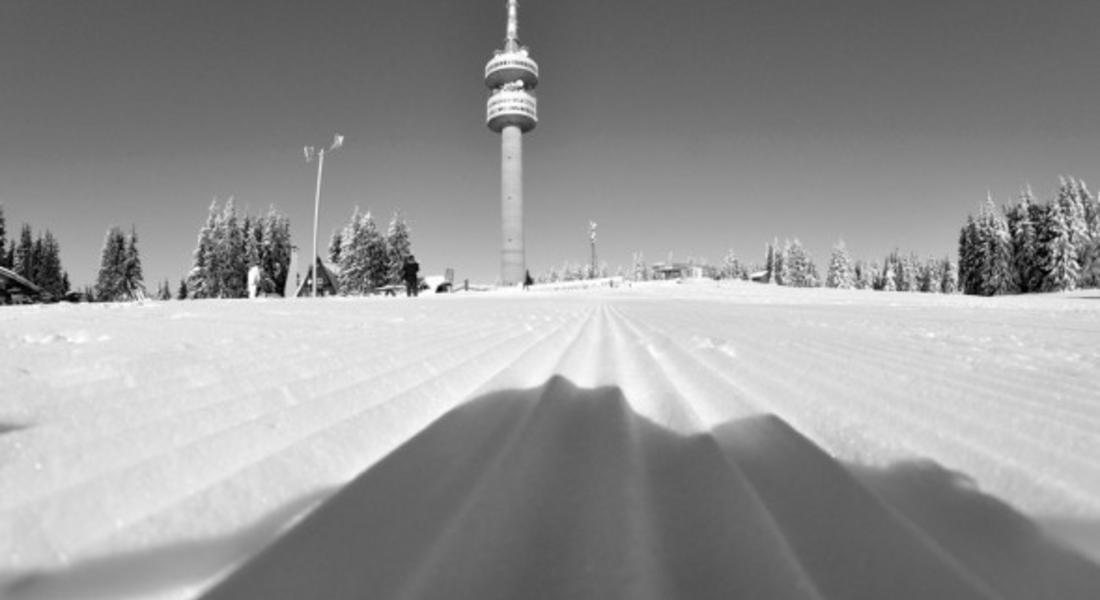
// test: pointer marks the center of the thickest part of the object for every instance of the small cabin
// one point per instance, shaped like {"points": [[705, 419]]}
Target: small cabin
{"points": [[327, 284], [16, 289]]}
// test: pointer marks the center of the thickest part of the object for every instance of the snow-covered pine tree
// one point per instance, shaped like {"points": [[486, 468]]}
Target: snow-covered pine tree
{"points": [[889, 277], [3, 239], [968, 256], [1073, 211], [252, 241], [949, 276], [133, 280], [770, 262], [275, 249], [1022, 230], [1089, 257], [840, 273], [181, 293], [999, 274], [201, 280], [781, 262], [1092, 211], [877, 275], [901, 275], [731, 266], [109, 285], [928, 276], [334, 245], [231, 251], [377, 256], [800, 267], [1062, 268], [1043, 217], [911, 264], [813, 278], [353, 260], [164, 291], [23, 256], [864, 275], [48, 273], [398, 248]]}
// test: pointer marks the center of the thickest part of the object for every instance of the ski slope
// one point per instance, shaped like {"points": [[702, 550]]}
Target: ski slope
{"points": [[657, 441]]}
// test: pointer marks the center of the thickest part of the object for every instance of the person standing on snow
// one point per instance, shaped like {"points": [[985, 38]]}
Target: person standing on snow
{"points": [[412, 279]]}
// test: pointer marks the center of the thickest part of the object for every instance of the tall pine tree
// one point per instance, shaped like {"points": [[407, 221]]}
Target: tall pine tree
{"points": [[398, 248], [840, 268], [353, 257], [1062, 269], [1022, 230], [23, 254], [109, 286], [132, 275], [3, 240], [202, 281]]}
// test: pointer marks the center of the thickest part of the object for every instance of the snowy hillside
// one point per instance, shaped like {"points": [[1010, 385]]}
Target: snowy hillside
{"points": [[654, 441]]}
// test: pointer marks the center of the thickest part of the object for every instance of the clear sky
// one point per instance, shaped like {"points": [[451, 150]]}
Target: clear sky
{"points": [[683, 127]]}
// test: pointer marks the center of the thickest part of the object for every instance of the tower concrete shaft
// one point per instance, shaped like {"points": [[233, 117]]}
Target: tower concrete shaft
{"points": [[511, 111], [513, 267]]}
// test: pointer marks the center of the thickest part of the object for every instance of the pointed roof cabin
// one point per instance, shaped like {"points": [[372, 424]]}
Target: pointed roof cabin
{"points": [[327, 285]]}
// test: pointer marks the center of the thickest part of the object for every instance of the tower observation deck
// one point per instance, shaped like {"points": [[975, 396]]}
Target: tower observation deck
{"points": [[511, 111]]}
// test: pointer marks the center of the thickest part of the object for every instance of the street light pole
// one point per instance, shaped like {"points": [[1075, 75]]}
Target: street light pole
{"points": [[316, 214], [337, 141]]}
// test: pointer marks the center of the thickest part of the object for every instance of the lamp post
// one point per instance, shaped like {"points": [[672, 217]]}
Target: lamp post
{"points": [[311, 152], [594, 272]]}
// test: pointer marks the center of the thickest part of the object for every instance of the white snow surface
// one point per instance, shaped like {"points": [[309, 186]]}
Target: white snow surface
{"points": [[650, 441]]}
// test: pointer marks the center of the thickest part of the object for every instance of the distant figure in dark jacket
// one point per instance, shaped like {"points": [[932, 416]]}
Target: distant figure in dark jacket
{"points": [[412, 276], [527, 281]]}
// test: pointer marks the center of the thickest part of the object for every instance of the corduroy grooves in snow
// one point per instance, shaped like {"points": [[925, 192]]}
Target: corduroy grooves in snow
{"points": [[655, 441]]}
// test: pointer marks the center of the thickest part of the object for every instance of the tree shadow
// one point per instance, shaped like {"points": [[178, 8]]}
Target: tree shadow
{"points": [[564, 492], [157, 569]]}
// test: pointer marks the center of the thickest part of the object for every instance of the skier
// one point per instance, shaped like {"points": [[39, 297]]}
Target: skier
{"points": [[412, 271]]}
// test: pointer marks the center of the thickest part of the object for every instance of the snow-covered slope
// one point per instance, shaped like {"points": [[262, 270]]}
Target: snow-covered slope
{"points": [[700, 439]]}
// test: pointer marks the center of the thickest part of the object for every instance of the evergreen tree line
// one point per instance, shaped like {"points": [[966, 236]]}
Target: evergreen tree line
{"points": [[120, 275], [366, 258], [571, 271], [790, 264], [1031, 246], [228, 246], [35, 258]]}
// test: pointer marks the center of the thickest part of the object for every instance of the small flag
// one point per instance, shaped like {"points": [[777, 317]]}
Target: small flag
{"points": [[309, 153], [337, 141]]}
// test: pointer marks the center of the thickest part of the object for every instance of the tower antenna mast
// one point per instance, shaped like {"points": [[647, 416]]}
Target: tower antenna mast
{"points": [[511, 39]]}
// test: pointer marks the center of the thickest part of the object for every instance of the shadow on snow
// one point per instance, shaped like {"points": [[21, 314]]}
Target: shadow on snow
{"points": [[560, 491]]}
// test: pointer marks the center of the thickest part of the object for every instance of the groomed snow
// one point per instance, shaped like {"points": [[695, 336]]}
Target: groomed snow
{"points": [[660, 440]]}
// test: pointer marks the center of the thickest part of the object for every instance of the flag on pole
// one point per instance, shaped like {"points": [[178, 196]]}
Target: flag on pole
{"points": [[337, 141]]}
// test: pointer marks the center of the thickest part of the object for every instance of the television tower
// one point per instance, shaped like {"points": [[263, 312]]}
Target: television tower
{"points": [[511, 111]]}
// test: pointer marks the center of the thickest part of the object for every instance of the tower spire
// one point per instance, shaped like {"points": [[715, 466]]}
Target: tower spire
{"points": [[511, 38]]}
